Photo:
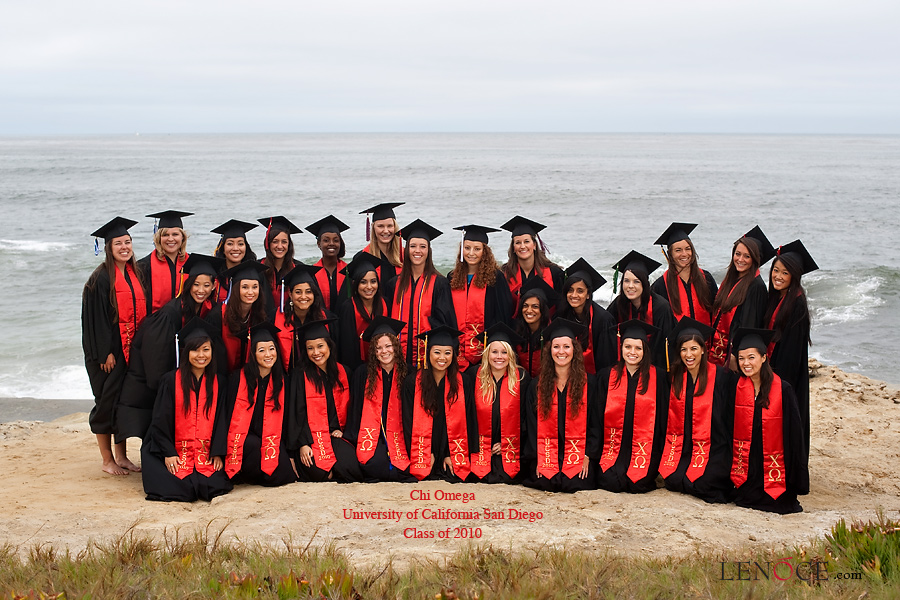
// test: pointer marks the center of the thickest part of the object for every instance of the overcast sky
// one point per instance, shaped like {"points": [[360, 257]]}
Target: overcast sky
{"points": [[292, 66]]}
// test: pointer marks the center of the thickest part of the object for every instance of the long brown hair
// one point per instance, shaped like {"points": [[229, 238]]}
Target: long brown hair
{"points": [[330, 377], [678, 369], [547, 379], [697, 279], [287, 263], [406, 271], [485, 275], [643, 369], [511, 267], [431, 399], [251, 375], [109, 266], [795, 295], [622, 307], [372, 364], [257, 310], [725, 299], [209, 374]]}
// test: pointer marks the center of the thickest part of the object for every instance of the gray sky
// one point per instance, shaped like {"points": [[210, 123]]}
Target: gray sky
{"points": [[289, 66]]}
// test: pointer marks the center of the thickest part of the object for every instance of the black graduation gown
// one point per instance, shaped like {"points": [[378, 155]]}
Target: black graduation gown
{"points": [[441, 309], [715, 483], [496, 474], [752, 312], [337, 296], [559, 482], [346, 469], [790, 360], [347, 337], [251, 472], [379, 467], [159, 484], [663, 319], [531, 349], [603, 335], [752, 494], [615, 478], [659, 287]]}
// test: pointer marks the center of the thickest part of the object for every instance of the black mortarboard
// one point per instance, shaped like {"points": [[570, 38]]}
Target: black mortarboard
{"points": [[689, 326], [264, 332], [675, 233], [501, 332], [170, 218], [314, 330], [234, 229], [382, 211], [746, 337], [476, 233], [195, 328], [246, 270], [635, 260], [118, 227], [361, 264], [329, 224], [419, 229], [521, 226], [279, 222], [797, 252], [442, 335], [766, 250], [635, 329], [536, 286], [581, 269], [301, 273], [382, 324], [202, 264], [560, 327]]}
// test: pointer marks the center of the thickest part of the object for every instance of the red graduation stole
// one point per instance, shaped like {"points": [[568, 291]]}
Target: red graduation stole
{"points": [[574, 439], [457, 435], [194, 431], [362, 323], [420, 439], [701, 427], [718, 343], [771, 346], [131, 307], [641, 427], [285, 337], [588, 353], [325, 284], [240, 424], [700, 313], [233, 345], [277, 288], [421, 304], [317, 418], [370, 424], [772, 437], [515, 284], [468, 304], [510, 425], [457, 432], [166, 279], [530, 361]]}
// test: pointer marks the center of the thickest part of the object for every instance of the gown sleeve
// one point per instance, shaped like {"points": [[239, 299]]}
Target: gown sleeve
{"points": [[796, 461], [711, 284], [301, 435], [162, 425], [99, 339], [407, 401], [357, 396], [219, 445], [604, 331], [662, 415], [157, 346], [659, 287], [558, 277], [347, 338], [753, 310], [442, 302], [592, 443], [498, 302], [529, 436]]}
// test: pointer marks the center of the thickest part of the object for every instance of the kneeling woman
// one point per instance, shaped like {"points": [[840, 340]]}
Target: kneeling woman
{"points": [[435, 416], [696, 458], [633, 408], [321, 398], [769, 464], [182, 455], [561, 445], [256, 437], [496, 390]]}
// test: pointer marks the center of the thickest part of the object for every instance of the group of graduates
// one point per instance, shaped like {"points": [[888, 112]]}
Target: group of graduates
{"points": [[269, 371]]}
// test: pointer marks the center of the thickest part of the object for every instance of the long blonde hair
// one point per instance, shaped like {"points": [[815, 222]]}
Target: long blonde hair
{"points": [[486, 378], [396, 244], [157, 241]]}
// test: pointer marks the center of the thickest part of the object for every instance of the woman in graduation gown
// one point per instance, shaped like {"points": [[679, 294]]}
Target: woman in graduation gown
{"points": [[256, 447], [304, 305], [161, 269], [742, 297], [113, 306], [419, 294], [637, 301], [769, 465], [279, 253], [480, 294], [436, 413], [383, 239], [365, 305], [526, 257], [696, 457], [244, 310], [633, 409], [787, 314], [234, 249], [496, 389], [330, 277], [182, 455], [375, 419], [577, 305], [689, 289], [533, 315], [153, 352], [321, 399], [561, 445]]}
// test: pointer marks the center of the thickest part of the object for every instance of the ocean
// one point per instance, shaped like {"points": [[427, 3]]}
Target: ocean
{"points": [[599, 195]]}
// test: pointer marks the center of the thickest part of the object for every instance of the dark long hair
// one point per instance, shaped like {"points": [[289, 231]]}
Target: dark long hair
{"points": [[511, 267], [316, 309], [547, 380], [565, 311], [622, 306], [725, 299], [795, 295], [330, 377], [431, 399], [249, 254], [766, 378], [678, 369], [257, 310], [485, 275], [519, 324], [109, 266], [189, 306], [698, 281], [358, 302], [372, 364], [643, 369], [406, 271], [209, 374], [287, 263], [276, 379]]}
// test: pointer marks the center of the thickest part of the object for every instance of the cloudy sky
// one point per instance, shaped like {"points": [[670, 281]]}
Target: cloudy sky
{"points": [[372, 65]]}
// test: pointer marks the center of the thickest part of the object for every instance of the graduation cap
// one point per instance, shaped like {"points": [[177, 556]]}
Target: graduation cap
{"points": [[420, 229], [635, 329], [441, 335], [688, 326], [117, 227], [202, 264], [501, 332], [382, 211], [169, 218], [361, 264], [380, 325], [476, 233], [675, 233], [314, 330], [264, 332], [301, 273], [246, 270], [747, 337], [562, 328], [796, 252], [583, 271], [280, 223], [234, 229], [766, 250], [196, 328], [634, 260], [540, 289], [521, 226], [329, 224]]}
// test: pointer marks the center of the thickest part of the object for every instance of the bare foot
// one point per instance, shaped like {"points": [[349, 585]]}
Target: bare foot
{"points": [[127, 464], [113, 469]]}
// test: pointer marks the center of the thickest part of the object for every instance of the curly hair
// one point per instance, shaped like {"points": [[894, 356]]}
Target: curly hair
{"points": [[372, 364], [485, 276], [547, 379]]}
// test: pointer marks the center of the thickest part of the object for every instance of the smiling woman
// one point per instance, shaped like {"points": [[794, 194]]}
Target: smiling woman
{"points": [[161, 269], [330, 278]]}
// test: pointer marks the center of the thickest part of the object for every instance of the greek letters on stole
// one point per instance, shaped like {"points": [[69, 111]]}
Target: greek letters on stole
{"points": [[194, 431], [641, 426], [370, 425], [510, 426], [317, 418], [773, 472], [574, 439], [701, 427], [240, 425], [468, 304]]}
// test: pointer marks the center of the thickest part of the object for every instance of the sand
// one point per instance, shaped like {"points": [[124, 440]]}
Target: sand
{"points": [[54, 492]]}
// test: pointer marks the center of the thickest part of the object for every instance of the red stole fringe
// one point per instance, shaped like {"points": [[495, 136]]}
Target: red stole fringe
{"points": [[510, 426], [772, 437], [701, 428], [194, 431], [574, 439], [641, 426], [240, 425]]}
